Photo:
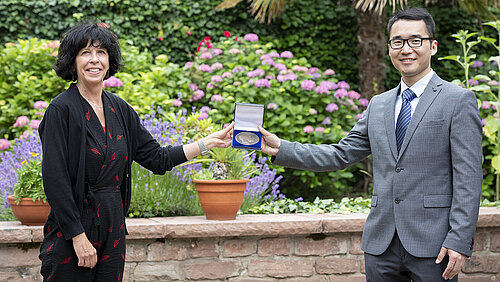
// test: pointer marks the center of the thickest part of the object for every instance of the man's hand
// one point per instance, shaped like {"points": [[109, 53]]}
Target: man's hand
{"points": [[271, 142], [86, 253], [455, 264]]}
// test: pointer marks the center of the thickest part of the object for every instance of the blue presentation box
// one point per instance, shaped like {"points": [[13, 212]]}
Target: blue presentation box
{"points": [[247, 118]]}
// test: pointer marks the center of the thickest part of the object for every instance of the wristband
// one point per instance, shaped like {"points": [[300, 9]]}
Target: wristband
{"points": [[203, 149]]}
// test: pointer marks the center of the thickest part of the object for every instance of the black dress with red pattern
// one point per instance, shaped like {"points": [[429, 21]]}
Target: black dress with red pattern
{"points": [[102, 215]]}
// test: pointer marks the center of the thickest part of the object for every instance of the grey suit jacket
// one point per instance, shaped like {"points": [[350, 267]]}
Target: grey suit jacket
{"points": [[430, 192]]}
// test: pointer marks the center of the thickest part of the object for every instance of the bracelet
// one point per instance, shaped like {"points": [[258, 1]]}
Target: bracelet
{"points": [[203, 149]]}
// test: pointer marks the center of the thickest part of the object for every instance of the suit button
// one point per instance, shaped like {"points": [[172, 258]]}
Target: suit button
{"points": [[397, 201], [398, 170]]}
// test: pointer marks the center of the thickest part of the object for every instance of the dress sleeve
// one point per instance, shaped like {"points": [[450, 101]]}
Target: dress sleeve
{"points": [[54, 135], [149, 153]]}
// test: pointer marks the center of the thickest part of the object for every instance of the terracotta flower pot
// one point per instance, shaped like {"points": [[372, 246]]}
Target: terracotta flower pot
{"points": [[29, 212], [221, 199]]}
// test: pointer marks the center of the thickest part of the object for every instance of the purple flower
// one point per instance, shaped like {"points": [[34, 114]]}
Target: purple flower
{"points": [[328, 84], [112, 82], [268, 61], [251, 37], [216, 66], [322, 88], [332, 107], [329, 72], [493, 83], [280, 66], [273, 55], [206, 55], [364, 102], [300, 68], [485, 105], [290, 76], [198, 94], [308, 129], [359, 116], [343, 84], [237, 83], [34, 124], [193, 86], [4, 144], [216, 79], [205, 68], [473, 82], [272, 106], [263, 83], [21, 121], [483, 122], [40, 105], [340, 93], [177, 103], [308, 84], [477, 64], [188, 65], [326, 121], [210, 86], [203, 116], [319, 129], [217, 98], [353, 94], [251, 81], [299, 199], [216, 51], [312, 70], [270, 76], [227, 74], [286, 54], [256, 73], [316, 75], [238, 69], [205, 109]]}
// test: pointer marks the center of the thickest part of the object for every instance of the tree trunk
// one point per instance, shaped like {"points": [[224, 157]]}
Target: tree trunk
{"points": [[373, 50]]}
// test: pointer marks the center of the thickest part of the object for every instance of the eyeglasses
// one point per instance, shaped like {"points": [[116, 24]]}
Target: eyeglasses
{"points": [[412, 42]]}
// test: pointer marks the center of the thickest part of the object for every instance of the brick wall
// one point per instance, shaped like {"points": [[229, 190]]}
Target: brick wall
{"points": [[291, 247]]}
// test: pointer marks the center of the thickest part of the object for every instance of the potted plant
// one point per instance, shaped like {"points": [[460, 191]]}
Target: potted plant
{"points": [[29, 203], [221, 186]]}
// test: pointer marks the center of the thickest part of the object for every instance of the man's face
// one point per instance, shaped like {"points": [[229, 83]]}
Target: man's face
{"points": [[413, 63]]}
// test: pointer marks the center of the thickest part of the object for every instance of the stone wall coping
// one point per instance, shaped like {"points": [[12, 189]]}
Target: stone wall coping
{"points": [[244, 225]]}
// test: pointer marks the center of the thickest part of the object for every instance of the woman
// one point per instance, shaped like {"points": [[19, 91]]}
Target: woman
{"points": [[89, 139]]}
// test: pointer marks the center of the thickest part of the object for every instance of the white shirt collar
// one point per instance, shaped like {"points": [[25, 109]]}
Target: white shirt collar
{"points": [[419, 87]]}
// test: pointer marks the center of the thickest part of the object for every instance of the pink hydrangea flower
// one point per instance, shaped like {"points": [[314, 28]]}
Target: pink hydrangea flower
{"points": [[251, 37], [326, 121], [308, 84], [272, 106], [493, 83], [322, 88], [319, 129], [267, 61], [270, 76], [353, 94], [205, 109], [4, 144], [312, 70], [300, 68], [340, 93], [237, 83], [205, 68], [273, 55], [203, 115], [259, 51], [364, 102], [343, 84], [40, 105], [483, 122], [40, 114], [188, 65], [216, 79], [198, 94], [485, 105], [280, 66], [256, 73], [227, 74], [216, 66], [34, 124], [206, 55], [313, 111], [193, 86], [112, 82], [216, 51], [263, 83], [359, 116], [286, 54], [210, 86], [235, 51], [21, 121], [329, 72], [332, 107], [216, 98], [176, 103], [308, 129]]}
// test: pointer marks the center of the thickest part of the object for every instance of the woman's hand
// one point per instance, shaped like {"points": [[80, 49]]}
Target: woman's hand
{"points": [[220, 139], [86, 253]]}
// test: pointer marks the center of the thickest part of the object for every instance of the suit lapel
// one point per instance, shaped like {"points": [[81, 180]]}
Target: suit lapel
{"points": [[430, 93], [389, 120]]}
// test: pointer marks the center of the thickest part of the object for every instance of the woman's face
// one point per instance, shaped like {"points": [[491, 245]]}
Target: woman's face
{"points": [[92, 64]]}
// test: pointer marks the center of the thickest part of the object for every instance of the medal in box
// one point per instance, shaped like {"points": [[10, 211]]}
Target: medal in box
{"points": [[247, 118]]}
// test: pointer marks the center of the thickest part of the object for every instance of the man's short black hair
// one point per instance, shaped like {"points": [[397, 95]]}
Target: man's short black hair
{"points": [[414, 14], [78, 38]]}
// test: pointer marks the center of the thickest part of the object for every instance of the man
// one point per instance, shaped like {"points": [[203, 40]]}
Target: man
{"points": [[425, 140]]}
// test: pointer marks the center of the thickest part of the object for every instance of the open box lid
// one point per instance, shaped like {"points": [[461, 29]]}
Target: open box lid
{"points": [[248, 116]]}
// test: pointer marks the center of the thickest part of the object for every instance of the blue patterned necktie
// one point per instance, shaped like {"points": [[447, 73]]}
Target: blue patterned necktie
{"points": [[404, 117]]}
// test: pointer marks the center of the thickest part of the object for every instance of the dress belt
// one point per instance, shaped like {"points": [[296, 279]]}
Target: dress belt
{"points": [[90, 201]]}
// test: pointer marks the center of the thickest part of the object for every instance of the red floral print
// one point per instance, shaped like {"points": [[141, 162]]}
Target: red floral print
{"points": [[49, 248], [59, 234], [87, 115], [104, 258], [119, 137], [110, 229], [116, 243], [113, 157], [95, 151], [67, 260]]}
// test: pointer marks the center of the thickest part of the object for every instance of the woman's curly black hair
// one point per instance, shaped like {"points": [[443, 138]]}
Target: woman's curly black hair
{"points": [[76, 39]]}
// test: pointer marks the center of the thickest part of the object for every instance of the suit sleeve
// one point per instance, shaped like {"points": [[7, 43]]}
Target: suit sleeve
{"points": [[466, 160], [56, 177], [350, 150]]}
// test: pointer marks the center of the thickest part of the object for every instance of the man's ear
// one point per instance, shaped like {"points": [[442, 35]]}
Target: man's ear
{"points": [[434, 47]]}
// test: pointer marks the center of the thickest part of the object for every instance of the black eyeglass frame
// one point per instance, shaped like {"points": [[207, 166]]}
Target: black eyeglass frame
{"points": [[407, 41]]}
